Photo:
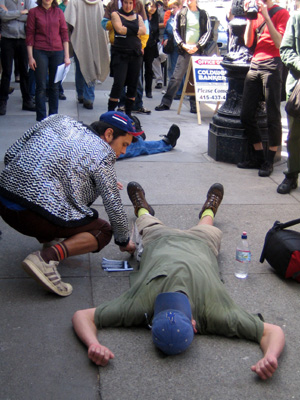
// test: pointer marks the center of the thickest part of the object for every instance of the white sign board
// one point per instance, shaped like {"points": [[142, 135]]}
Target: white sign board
{"points": [[209, 79]]}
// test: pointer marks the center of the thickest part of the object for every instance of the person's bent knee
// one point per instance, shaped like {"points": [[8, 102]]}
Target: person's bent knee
{"points": [[103, 235]]}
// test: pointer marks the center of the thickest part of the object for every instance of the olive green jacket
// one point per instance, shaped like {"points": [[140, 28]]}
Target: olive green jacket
{"points": [[290, 51]]}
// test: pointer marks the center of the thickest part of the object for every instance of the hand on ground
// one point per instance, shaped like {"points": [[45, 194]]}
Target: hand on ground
{"points": [[99, 354], [265, 367]]}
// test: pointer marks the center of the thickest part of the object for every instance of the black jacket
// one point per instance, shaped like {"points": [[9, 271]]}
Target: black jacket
{"points": [[180, 29]]}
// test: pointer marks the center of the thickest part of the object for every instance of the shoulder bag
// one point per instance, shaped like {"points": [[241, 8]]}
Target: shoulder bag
{"points": [[282, 250]]}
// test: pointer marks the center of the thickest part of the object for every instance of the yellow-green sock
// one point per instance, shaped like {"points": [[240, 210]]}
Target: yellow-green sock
{"points": [[142, 211], [208, 212]]}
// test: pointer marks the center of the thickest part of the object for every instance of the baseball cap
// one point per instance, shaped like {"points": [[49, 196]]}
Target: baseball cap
{"points": [[120, 121], [172, 330]]}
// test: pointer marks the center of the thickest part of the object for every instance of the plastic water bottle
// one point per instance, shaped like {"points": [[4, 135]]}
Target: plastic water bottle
{"points": [[243, 257]]}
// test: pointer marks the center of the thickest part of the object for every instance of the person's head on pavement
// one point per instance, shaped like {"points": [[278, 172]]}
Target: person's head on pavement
{"points": [[116, 129], [172, 328]]}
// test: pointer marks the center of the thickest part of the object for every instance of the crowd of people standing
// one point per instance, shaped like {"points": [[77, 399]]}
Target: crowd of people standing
{"points": [[37, 35]]}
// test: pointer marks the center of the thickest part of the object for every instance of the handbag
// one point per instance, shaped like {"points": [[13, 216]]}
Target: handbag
{"points": [[282, 250], [292, 106], [169, 47]]}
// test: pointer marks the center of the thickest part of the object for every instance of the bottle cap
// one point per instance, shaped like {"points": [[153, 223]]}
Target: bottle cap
{"points": [[244, 235]]}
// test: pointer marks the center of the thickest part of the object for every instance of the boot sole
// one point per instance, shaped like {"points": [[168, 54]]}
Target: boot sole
{"points": [[287, 192], [31, 269]]}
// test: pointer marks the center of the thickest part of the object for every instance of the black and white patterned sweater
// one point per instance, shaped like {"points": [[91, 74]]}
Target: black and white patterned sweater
{"points": [[58, 168]]}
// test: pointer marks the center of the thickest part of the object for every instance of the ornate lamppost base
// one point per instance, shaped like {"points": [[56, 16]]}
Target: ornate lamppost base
{"points": [[227, 141]]}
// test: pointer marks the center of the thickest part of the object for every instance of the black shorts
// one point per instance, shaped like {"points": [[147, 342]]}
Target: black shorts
{"points": [[32, 224]]}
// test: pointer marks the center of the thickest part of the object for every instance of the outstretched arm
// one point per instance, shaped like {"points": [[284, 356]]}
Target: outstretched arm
{"points": [[272, 344], [85, 328]]}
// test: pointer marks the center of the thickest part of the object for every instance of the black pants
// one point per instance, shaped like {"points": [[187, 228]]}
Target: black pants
{"points": [[263, 82], [149, 54], [11, 48], [126, 71]]}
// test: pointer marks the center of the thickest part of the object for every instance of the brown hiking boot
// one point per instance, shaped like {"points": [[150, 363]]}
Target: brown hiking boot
{"points": [[137, 196], [214, 197]]}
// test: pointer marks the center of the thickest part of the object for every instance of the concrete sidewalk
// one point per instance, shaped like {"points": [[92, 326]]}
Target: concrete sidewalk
{"points": [[41, 358]]}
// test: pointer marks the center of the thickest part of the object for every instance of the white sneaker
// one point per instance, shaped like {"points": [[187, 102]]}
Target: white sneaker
{"points": [[46, 274]]}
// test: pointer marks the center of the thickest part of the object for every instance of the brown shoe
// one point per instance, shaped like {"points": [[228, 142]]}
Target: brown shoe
{"points": [[137, 196], [214, 197]]}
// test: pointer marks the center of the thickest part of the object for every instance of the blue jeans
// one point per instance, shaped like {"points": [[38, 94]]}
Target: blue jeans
{"points": [[84, 91], [144, 148], [46, 61], [31, 83], [172, 59]]}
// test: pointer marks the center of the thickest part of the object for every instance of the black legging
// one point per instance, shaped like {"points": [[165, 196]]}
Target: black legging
{"points": [[126, 71], [149, 54]]}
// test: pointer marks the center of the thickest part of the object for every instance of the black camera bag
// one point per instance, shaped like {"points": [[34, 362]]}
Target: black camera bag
{"points": [[282, 250]]}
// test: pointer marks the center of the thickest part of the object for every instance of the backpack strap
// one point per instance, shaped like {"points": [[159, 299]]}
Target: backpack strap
{"points": [[284, 225], [274, 10], [261, 27]]}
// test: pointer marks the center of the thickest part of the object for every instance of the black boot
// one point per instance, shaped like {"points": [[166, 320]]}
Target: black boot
{"points": [[289, 183], [256, 160], [128, 106], [112, 105], [172, 135], [267, 167]]}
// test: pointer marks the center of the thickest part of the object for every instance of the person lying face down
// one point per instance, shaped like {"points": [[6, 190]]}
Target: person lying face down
{"points": [[179, 290]]}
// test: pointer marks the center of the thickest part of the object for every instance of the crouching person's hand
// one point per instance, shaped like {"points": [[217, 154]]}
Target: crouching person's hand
{"points": [[130, 247]]}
